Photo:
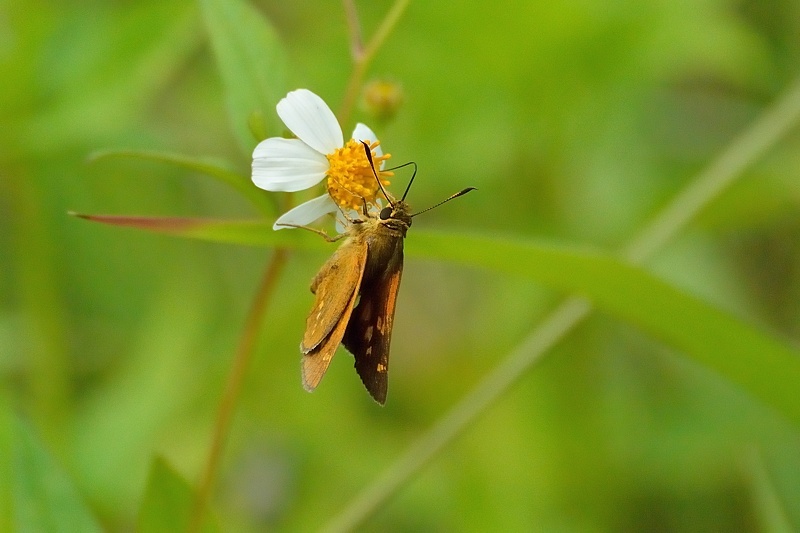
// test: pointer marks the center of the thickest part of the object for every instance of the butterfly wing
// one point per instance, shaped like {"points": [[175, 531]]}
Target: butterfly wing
{"points": [[336, 289], [369, 331]]}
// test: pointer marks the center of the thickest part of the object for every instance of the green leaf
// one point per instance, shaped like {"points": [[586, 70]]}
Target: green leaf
{"points": [[35, 494], [243, 232], [762, 365], [168, 502], [99, 81], [220, 171], [252, 64], [756, 361]]}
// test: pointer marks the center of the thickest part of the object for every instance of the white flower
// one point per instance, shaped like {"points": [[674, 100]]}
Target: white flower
{"points": [[319, 152]]}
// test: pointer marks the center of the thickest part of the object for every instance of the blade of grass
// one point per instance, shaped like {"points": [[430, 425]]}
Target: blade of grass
{"points": [[35, 493], [242, 232], [764, 366], [770, 509], [422, 450], [167, 503], [252, 64]]}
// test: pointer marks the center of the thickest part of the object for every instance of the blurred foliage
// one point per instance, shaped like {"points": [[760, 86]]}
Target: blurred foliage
{"points": [[577, 121]]}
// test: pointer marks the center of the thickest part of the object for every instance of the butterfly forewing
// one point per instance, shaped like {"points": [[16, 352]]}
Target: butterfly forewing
{"points": [[334, 286], [316, 361], [336, 289]]}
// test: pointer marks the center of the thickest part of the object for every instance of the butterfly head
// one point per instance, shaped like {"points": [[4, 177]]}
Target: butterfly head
{"points": [[395, 217]]}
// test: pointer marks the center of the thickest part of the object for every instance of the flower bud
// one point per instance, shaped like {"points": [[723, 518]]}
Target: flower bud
{"points": [[382, 99]]}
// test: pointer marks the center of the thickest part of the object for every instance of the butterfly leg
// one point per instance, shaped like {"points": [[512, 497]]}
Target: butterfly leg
{"points": [[319, 232]]}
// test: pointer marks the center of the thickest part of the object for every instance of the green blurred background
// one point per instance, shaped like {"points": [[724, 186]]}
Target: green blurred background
{"points": [[576, 120]]}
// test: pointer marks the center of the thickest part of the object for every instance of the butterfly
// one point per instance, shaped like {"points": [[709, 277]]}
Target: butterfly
{"points": [[356, 294]]}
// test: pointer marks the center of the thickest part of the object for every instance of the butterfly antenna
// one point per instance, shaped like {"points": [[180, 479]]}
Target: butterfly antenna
{"points": [[456, 195], [368, 151], [412, 176], [403, 165]]}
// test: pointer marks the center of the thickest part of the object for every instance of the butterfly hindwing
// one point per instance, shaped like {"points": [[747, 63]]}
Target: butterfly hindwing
{"points": [[369, 332]]}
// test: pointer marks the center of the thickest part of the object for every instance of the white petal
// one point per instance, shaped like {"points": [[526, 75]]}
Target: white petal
{"points": [[287, 165], [363, 133], [311, 120], [340, 224], [306, 213]]}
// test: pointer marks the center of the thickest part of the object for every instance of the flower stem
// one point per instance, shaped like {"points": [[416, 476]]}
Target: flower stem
{"points": [[773, 124], [233, 387], [354, 28], [362, 57]]}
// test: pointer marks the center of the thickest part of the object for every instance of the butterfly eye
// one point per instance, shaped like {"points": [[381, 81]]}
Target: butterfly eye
{"points": [[386, 213]]}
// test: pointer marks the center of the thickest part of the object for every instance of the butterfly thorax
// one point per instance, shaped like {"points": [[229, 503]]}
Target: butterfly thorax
{"points": [[383, 235]]}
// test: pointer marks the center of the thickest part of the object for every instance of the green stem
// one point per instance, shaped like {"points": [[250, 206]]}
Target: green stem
{"points": [[560, 321], [34, 261], [233, 387], [743, 151], [773, 124], [363, 58], [353, 28]]}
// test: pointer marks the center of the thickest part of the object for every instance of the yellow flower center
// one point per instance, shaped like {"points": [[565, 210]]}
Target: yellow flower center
{"points": [[350, 177]]}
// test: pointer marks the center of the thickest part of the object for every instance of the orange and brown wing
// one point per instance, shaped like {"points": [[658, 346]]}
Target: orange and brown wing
{"points": [[336, 288], [369, 332]]}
